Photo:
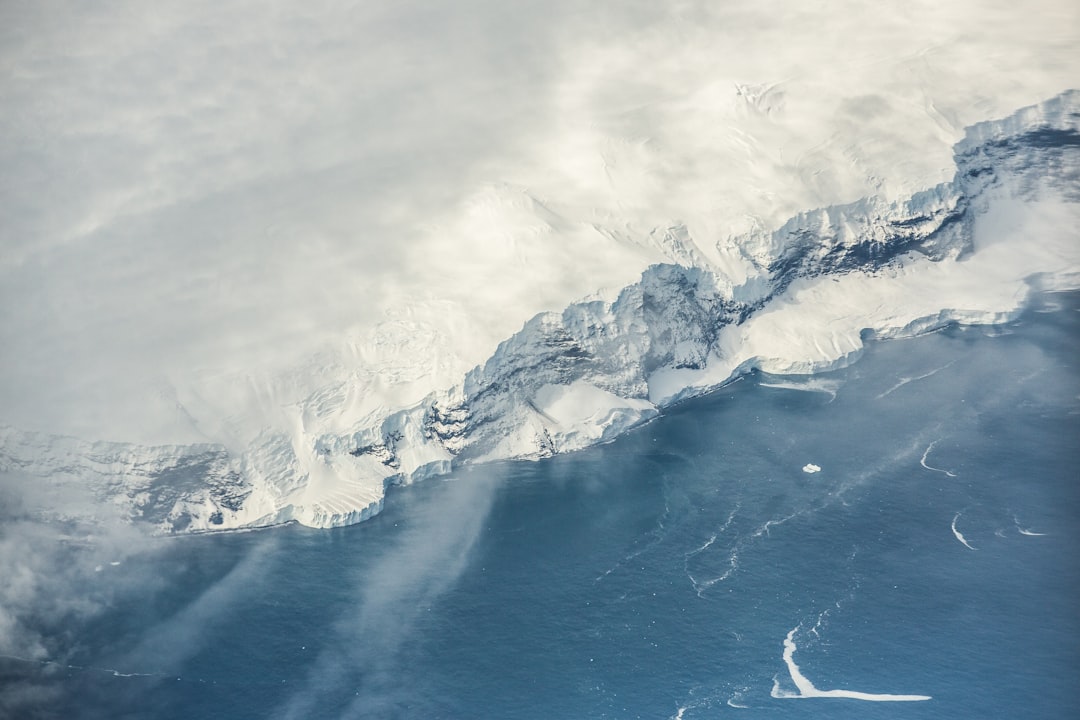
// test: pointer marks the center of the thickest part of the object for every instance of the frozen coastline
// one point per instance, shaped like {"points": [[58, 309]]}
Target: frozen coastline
{"points": [[966, 251]]}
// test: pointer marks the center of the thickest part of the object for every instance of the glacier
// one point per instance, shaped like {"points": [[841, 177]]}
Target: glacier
{"points": [[799, 298]]}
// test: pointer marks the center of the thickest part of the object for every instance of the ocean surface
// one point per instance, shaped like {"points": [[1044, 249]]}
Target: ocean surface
{"points": [[934, 554]]}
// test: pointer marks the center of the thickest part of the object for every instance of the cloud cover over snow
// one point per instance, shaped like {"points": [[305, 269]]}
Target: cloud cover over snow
{"points": [[213, 209], [261, 225]]}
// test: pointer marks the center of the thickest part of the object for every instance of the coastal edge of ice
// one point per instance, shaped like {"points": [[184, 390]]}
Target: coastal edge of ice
{"points": [[966, 251]]}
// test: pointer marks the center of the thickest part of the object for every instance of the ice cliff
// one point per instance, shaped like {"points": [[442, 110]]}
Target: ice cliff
{"points": [[797, 299]]}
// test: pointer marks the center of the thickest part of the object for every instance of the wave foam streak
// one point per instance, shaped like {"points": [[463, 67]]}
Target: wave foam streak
{"points": [[1026, 531], [959, 535], [700, 586], [806, 689], [926, 453]]}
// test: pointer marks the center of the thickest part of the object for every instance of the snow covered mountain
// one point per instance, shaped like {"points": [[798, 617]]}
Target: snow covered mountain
{"points": [[797, 299]]}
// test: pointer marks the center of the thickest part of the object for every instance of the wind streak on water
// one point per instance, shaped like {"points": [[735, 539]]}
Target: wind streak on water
{"points": [[905, 380], [657, 536], [429, 557], [700, 586], [733, 561], [828, 497]]}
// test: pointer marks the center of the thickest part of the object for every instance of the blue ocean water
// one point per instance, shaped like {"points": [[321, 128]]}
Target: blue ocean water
{"points": [[934, 553]]}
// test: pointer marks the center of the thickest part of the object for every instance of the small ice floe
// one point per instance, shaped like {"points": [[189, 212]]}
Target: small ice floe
{"points": [[811, 468]]}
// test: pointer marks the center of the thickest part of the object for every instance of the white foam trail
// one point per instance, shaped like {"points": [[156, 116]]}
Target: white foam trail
{"points": [[807, 689], [733, 560], [658, 535], [701, 586], [821, 620], [905, 380], [704, 547], [695, 702], [927, 453], [734, 701], [1026, 531], [958, 534], [764, 529], [84, 668]]}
